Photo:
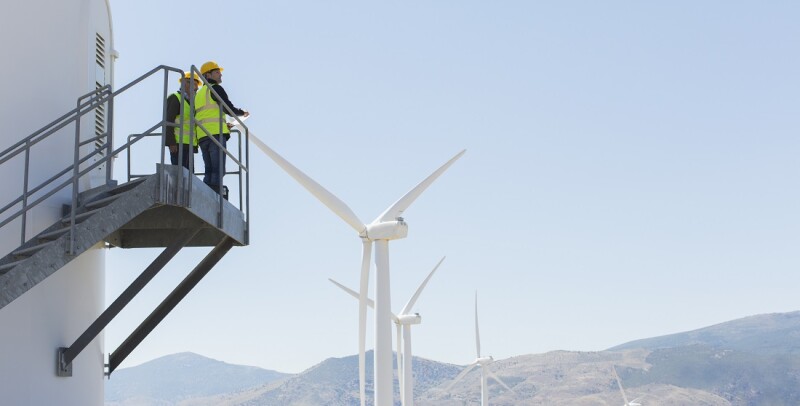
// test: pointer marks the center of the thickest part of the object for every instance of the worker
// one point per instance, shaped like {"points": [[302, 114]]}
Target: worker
{"points": [[211, 123], [178, 135]]}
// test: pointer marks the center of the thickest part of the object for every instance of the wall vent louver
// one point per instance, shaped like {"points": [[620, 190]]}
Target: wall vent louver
{"points": [[100, 50], [100, 112]]}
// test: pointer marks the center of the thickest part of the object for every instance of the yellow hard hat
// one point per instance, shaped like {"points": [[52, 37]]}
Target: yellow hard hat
{"points": [[209, 66], [189, 75]]}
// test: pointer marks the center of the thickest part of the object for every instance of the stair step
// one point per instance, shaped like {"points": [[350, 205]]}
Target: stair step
{"points": [[26, 252], [102, 202], [7, 267], [80, 217], [127, 186], [52, 235]]}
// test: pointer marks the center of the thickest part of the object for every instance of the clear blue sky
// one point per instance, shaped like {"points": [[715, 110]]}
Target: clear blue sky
{"points": [[632, 169]]}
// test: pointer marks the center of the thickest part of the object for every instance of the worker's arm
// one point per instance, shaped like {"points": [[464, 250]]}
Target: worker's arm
{"points": [[224, 95]]}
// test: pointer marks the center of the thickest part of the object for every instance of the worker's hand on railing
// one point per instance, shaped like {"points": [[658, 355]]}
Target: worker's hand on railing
{"points": [[246, 114]]}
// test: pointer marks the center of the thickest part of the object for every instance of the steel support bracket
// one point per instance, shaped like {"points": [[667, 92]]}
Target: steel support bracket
{"points": [[63, 368]]}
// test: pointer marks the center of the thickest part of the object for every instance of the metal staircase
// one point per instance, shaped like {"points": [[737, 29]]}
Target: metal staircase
{"points": [[170, 208]]}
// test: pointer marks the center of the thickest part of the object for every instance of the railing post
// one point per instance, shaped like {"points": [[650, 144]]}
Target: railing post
{"points": [[109, 137], [240, 168], [159, 184], [75, 171], [247, 185], [192, 126], [25, 190], [128, 151]]}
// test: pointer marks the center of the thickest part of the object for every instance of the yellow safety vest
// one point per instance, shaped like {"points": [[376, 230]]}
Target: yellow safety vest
{"points": [[187, 123], [207, 114]]}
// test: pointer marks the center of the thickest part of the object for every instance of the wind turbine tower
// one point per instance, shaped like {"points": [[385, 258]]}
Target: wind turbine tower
{"points": [[483, 362], [54, 51], [388, 226], [403, 321]]}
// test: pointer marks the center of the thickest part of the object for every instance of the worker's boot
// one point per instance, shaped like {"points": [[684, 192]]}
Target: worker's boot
{"points": [[215, 188]]}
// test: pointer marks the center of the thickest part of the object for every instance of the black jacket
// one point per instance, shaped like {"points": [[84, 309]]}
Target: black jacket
{"points": [[224, 95], [173, 110]]}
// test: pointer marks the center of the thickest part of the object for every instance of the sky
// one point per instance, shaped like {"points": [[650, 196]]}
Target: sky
{"points": [[632, 170]]}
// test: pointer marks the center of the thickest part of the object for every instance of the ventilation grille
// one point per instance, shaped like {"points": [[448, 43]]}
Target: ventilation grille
{"points": [[100, 50], [100, 112]]}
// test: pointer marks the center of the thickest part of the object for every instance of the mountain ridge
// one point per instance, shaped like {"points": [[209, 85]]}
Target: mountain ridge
{"points": [[747, 361]]}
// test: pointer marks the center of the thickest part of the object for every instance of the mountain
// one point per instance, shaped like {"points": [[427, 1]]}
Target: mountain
{"points": [[335, 382], [174, 378], [743, 378], [750, 361], [776, 333]]}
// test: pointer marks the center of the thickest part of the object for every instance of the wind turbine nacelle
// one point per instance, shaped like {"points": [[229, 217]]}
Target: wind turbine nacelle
{"points": [[407, 319], [387, 230], [484, 360]]}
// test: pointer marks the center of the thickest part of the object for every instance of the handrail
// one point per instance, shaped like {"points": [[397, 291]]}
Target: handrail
{"points": [[239, 173], [86, 104], [25, 140]]}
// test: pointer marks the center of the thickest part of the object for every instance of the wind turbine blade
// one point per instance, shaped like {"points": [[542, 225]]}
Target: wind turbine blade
{"points": [[619, 384], [461, 376], [370, 302], [353, 293], [327, 198], [497, 378], [413, 300], [362, 318], [477, 332], [396, 210]]}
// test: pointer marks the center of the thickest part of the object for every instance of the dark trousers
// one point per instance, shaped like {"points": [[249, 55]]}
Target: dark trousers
{"points": [[214, 159], [187, 157]]}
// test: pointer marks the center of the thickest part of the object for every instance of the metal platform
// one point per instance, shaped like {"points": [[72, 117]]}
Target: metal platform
{"points": [[150, 212]]}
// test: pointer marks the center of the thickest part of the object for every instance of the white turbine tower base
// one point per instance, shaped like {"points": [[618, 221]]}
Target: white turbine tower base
{"points": [[404, 320], [388, 226], [483, 362], [634, 402]]}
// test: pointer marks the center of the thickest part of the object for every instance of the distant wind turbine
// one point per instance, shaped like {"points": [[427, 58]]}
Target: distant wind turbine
{"points": [[404, 320], [483, 362], [386, 227], [622, 391]]}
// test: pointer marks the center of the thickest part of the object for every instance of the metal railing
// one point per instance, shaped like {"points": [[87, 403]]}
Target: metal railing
{"points": [[105, 154], [240, 173]]}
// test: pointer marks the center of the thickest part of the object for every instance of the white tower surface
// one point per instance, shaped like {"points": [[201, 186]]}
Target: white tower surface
{"points": [[53, 52]]}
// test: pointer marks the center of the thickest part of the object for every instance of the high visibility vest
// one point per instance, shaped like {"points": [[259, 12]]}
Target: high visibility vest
{"points": [[207, 114], [187, 121]]}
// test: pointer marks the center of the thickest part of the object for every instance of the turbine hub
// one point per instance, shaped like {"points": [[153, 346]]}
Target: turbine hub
{"points": [[484, 361], [387, 230]]}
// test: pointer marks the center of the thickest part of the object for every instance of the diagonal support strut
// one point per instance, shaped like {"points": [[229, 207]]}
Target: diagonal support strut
{"points": [[66, 355], [169, 303]]}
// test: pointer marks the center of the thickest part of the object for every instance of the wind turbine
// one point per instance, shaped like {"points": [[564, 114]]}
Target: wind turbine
{"points": [[483, 362], [404, 320], [388, 226], [622, 391]]}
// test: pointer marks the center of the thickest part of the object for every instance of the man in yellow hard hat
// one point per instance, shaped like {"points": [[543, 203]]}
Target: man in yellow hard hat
{"points": [[211, 124], [177, 135]]}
